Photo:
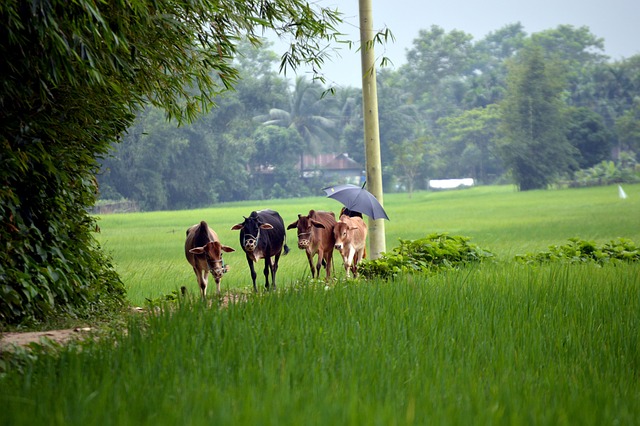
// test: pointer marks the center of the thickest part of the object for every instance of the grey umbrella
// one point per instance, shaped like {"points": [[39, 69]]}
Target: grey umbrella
{"points": [[357, 199]]}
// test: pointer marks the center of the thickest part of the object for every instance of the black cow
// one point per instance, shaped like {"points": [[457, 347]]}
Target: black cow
{"points": [[262, 236]]}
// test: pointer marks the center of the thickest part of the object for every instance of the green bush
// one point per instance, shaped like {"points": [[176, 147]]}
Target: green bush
{"points": [[608, 172], [432, 253], [51, 264], [582, 251]]}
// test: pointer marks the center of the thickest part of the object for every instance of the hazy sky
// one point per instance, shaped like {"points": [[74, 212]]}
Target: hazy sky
{"points": [[616, 21]]}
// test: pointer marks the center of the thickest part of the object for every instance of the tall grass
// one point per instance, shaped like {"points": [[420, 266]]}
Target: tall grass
{"points": [[148, 248], [496, 344]]}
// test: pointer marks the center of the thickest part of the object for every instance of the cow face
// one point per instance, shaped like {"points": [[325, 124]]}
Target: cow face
{"points": [[213, 253], [341, 234], [250, 232], [303, 226]]}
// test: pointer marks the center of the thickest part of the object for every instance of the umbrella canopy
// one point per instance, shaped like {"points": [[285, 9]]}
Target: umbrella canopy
{"points": [[357, 199]]}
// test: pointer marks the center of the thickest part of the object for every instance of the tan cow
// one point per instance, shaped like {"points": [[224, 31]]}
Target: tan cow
{"points": [[204, 252], [315, 236], [350, 234]]}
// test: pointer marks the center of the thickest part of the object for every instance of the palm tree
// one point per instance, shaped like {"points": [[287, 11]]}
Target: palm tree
{"points": [[308, 114]]}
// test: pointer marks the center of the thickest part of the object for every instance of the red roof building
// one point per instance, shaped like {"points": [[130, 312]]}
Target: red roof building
{"points": [[337, 168]]}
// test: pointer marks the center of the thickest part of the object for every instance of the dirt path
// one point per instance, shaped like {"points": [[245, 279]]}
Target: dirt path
{"points": [[7, 340], [63, 336]]}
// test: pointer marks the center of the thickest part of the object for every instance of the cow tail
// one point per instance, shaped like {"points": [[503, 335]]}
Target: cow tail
{"points": [[286, 247]]}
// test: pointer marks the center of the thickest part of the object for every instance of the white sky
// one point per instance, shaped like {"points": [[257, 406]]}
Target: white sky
{"points": [[616, 21]]}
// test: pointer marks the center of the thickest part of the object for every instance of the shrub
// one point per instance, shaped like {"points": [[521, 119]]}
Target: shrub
{"points": [[608, 172], [582, 251], [432, 253]]}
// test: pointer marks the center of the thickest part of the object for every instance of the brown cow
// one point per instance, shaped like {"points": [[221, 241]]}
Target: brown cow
{"points": [[350, 234], [204, 253], [315, 236]]}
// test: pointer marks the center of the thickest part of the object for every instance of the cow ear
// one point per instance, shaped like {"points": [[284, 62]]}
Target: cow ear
{"points": [[293, 225], [197, 250], [317, 224], [228, 249], [266, 226], [238, 226]]}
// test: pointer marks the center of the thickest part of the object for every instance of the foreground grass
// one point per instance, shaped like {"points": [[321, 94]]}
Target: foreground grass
{"points": [[148, 248], [498, 344]]}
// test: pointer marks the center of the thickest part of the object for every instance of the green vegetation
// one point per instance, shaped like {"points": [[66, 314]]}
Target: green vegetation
{"points": [[494, 344], [148, 248], [533, 109], [74, 75], [433, 253], [534, 145], [88, 79], [580, 251], [498, 342]]}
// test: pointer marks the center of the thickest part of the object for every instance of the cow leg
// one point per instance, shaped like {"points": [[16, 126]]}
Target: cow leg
{"points": [[354, 264], [204, 283], [253, 274], [345, 263], [349, 260], [201, 276], [322, 258], [328, 258], [311, 265], [267, 267], [274, 269], [319, 264]]}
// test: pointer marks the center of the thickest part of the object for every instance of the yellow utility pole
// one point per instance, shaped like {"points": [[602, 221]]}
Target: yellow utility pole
{"points": [[377, 242]]}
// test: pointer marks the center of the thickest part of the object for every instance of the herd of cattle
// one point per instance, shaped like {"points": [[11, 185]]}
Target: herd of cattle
{"points": [[263, 236]]}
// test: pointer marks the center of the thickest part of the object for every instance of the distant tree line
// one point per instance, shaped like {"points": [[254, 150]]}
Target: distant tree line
{"points": [[534, 110]]}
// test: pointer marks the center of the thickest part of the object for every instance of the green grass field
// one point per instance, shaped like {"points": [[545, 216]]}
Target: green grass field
{"points": [[499, 343], [148, 248]]}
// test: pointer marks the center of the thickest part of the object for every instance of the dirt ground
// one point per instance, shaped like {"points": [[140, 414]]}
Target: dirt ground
{"points": [[63, 336], [7, 340]]}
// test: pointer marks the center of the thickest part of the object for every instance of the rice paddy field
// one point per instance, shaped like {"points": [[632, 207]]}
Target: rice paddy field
{"points": [[148, 248], [497, 343]]}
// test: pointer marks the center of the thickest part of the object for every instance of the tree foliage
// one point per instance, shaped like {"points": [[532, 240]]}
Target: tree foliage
{"points": [[587, 133], [470, 140], [534, 144], [457, 113], [628, 128], [304, 114], [73, 76]]}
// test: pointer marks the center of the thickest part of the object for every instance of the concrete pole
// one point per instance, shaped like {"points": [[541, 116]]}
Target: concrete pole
{"points": [[377, 242]]}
